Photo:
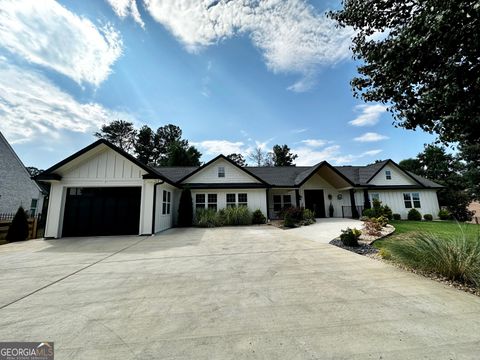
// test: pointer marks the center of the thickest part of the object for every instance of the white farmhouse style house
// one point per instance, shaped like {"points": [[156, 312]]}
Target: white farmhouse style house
{"points": [[102, 190]]}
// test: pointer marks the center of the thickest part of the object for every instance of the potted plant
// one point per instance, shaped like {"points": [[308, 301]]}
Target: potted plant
{"points": [[331, 209]]}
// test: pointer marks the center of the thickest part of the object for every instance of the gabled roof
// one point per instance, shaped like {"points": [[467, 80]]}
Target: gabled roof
{"points": [[50, 174], [221, 156], [15, 156], [282, 176]]}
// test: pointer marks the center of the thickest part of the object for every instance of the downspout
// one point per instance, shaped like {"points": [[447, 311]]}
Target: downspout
{"points": [[155, 204]]}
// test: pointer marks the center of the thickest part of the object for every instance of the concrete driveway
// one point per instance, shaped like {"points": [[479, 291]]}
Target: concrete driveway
{"points": [[326, 229], [226, 293]]}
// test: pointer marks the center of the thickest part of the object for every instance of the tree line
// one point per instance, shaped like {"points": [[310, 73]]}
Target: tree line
{"points": [[166, 147]]}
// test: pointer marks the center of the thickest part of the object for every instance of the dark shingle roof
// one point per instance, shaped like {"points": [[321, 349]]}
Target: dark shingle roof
{"points": [[175, 173], [290, 176]]}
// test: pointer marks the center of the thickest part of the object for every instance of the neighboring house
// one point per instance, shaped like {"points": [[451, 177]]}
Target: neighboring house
{"points": [[16, 186], [102, 190]]}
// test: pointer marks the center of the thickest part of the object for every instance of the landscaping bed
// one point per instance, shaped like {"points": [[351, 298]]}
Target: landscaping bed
{"points": [[444, 251]]}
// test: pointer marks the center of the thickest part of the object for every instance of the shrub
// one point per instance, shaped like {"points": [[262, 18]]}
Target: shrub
{"points": [[237, 216], [444, 214], [382, 220], [378, 210], [350, 237], [373, 226], [18, 230], [456, 257], [387, 212], [308, 217], [369, 213], [185, 209], [288, 221], [414, 215], [397, 217], [206, 218], [428, 217], [258, 217], [296, 213]]}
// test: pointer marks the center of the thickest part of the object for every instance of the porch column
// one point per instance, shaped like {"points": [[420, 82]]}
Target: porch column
{"points": [[267, 192], [297, 197], [352, 203], [366, 199]]}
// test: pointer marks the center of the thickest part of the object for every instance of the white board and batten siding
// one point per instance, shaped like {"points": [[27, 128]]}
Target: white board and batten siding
{"points": [[210, 174], [316, 182], [394, 199], [398, 177], [256, 198], [102, 167], [165, 214]]}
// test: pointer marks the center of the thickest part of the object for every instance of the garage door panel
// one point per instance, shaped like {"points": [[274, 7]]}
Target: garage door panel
{"points": [[102, 211]]}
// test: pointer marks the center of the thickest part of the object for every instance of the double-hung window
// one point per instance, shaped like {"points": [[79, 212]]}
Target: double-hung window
{"points": [[221, 171], [33, 207], [287, 201], [231, 200], [412, 200], [166, 202], [242, 199], [388, 175], [375, 196], [200, 201], [212, 201]]}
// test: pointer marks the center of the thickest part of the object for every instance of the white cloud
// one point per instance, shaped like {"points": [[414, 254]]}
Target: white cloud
{"points": [[308, 156], [32, 107], [215, 147], [370, 137], [369, 114], [47, 34], [124, 8], [299, 131], [314, 142], [291, 35], [372, 152]]}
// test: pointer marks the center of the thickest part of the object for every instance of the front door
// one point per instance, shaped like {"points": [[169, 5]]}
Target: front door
{"points": [[315, 201]]}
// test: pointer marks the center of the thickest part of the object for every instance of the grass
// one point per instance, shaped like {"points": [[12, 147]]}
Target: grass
{"points": [[445, 248], [440, 228]]}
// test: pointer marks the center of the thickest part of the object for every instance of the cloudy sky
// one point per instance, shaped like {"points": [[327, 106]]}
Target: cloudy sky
{"points": [[233, 74]]}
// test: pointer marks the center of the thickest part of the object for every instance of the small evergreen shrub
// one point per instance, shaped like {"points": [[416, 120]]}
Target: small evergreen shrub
{"points": [[369, 213], [382, 220], [444, 214], [397, 217], [387, 212], [308, 217], [296, 213], [378, 210], [258, 217], [350, 237], [428, 217], [414, 215], [185, 209], [18, 230]]}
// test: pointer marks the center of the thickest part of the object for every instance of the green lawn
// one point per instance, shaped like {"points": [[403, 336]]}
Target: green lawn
{"points": [[435, 227]]}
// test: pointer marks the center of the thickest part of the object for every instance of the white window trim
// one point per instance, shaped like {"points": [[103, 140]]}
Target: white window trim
{"points": [[166, 202], [388, 174], [411, 200], [221, 172]]}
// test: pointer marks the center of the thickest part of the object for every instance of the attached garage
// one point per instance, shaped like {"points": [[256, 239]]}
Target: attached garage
{"points": [[101, 211], [102, 190]]}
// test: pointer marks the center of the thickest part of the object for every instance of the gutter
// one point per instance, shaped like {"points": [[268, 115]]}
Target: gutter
{"points": [[155, 204]]}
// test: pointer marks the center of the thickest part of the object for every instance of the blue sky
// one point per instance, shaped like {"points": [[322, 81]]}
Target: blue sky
{"points": [[233, 75]]}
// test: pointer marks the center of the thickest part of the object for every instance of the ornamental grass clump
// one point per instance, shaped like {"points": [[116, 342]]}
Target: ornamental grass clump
{"points": [[239, 215], [456, 257]]}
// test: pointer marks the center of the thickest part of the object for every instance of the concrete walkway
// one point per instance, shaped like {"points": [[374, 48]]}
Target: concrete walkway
{"points": [[228, 293], [326, 229]]}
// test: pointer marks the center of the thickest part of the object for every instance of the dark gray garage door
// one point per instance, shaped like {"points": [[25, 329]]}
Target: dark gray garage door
{"points": [[102, 211]]}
